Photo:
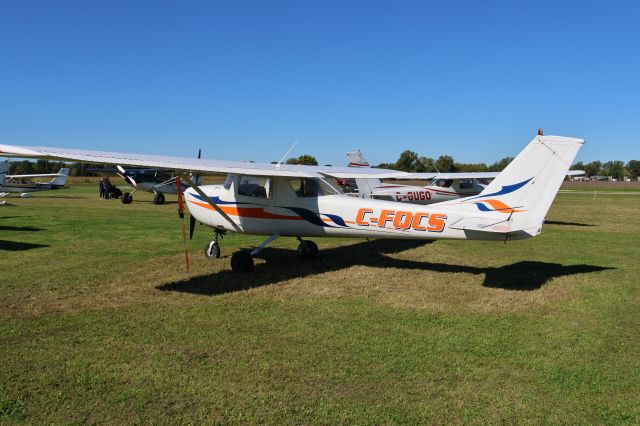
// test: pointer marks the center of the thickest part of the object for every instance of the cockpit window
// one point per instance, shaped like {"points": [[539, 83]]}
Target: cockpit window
{"points": [[255, 186], [444, 183], [312, 187]]}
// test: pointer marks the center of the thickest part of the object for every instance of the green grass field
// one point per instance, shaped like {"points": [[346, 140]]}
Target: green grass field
{"points": [[100, 323]]}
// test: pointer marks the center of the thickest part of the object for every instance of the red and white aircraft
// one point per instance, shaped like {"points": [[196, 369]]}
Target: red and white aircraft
{"points": [[279, 200], [442, 186]]}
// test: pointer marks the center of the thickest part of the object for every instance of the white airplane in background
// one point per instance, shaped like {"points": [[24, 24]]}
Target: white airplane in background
{"points": [[25, 184], [298, 201], [442, 186]]}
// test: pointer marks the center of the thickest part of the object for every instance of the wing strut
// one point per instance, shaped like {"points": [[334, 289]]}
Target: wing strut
{"points": [[181, 214], [210, 201]]}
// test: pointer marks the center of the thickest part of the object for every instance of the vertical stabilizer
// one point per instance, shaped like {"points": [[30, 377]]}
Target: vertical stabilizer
{"points": [[365, 185], [4, 169], [60, 180], [526, 188], [356, 159]]}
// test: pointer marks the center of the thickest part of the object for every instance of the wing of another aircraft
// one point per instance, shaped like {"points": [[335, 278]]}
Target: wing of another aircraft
{"points": [[462, 175], [46, 175], [194, 164]]}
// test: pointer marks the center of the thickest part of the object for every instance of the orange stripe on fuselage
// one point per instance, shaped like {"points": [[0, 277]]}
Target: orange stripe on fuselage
{"points": [[252, 212]]}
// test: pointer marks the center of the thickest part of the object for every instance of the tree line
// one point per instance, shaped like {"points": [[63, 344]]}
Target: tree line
{"points": [[409, 161], [27, 167]]}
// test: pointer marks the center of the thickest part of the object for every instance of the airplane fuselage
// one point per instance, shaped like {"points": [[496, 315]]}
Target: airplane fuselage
{"points": [[281, 210], [21, 187]]}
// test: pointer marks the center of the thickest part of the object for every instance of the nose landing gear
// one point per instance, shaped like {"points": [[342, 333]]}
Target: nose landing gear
{"points": [[212, 248]]}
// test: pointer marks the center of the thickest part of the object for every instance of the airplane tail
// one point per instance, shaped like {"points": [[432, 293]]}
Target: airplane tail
{"points": [[523, 192], [60, 180], [356, 159]]}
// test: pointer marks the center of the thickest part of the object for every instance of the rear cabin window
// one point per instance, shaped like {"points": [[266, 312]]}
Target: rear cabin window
{"points": [[311, 187]]}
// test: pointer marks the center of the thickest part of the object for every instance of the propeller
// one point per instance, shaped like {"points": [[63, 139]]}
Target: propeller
{"points": [[196, 177], [192, 226], [123, 174]]}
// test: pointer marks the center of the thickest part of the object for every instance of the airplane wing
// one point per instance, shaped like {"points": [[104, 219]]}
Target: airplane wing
{"points": [[34, 176], [194, 164]]}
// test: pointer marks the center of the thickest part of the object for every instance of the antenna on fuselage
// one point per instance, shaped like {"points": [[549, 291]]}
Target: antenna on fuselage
{"points": [[285, 154]]}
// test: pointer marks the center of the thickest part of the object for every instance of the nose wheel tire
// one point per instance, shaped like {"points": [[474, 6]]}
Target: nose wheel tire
{"points": [[308, 250], [212, 250], [158, 198], [127, 198], [242, 262]]}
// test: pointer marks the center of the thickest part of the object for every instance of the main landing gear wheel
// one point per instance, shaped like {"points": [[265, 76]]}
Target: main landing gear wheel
{"points": [[242, 262], [307, 249], [212, 250], [127, 198], [158, 198]]}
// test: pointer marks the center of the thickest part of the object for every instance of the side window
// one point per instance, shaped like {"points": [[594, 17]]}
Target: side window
{"points": [[254, 186], [311, 187], [466, 184]]}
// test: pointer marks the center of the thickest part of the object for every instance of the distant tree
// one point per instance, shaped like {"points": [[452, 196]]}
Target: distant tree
{"points": [[391, 166], [577, 166], [615, 169], [305, 159], [633, 166], [471, 167], [445, 164], [500, 165], [407, 161], [425, 164], [593, 168]]}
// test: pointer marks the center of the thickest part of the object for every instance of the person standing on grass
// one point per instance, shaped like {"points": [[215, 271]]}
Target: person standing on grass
{"points": [[101, 185], [107, 187]]}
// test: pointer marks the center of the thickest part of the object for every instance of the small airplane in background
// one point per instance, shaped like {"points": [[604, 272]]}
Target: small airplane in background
{"points": [[441, 186], [26, 184], [157, 181], [298, 201]]}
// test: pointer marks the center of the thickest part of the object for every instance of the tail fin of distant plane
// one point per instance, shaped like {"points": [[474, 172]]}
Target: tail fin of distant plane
{"points": [[4, 169], [356, 159], [365, 186], [525, 189], [60, 180]]}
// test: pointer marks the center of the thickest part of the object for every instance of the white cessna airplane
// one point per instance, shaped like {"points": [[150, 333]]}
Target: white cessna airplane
{"points": [[298, 201], [25, 184], [442, 186]]}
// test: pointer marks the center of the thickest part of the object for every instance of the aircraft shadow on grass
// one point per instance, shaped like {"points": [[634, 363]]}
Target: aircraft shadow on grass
{"points": [[18, 246], [280, 266], [19, 228], [555, 222]]}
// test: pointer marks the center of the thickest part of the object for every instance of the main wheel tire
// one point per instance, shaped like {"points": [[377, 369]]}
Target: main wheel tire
{"points": [[308, 250], [242, 262], [158, 198], [127, 198], [212, 251]]}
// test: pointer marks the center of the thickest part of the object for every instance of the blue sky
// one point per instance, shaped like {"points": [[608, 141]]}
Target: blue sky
{"points": [[244, 80]]}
